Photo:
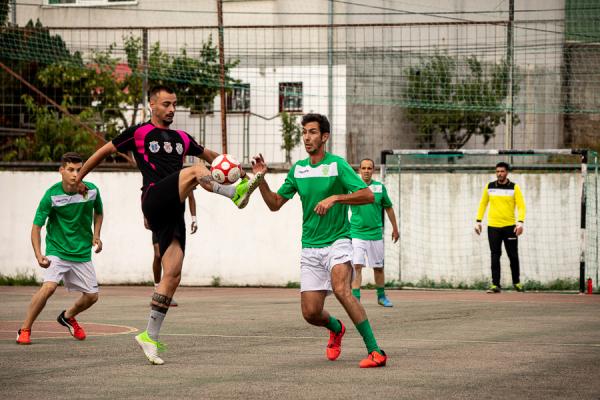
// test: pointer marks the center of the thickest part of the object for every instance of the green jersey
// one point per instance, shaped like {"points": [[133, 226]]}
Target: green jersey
{"points": [[69, 230], [367, 220], [315, 182]]}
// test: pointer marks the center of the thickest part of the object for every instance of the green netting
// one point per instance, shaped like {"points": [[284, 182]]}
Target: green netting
{"points": [[437, 79], [436, 198]]}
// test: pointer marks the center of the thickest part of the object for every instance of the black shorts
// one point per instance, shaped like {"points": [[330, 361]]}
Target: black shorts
{"points": [[164, 212]]}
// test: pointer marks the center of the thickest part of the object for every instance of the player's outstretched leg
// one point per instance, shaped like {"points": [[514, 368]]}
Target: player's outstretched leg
{"points": [[245, 188]]}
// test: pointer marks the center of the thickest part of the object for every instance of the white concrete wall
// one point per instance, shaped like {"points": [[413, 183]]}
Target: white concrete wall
{"points": [[255, 246], [252, 246], [437, 215]]}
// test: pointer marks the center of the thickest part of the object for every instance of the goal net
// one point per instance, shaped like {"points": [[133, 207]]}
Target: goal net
{"points": [[436, 196]]}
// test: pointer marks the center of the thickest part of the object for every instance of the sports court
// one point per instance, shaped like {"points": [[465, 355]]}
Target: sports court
{"points": [[251, 343]]}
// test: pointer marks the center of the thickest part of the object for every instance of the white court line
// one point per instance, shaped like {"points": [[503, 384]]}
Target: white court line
{"points": [[382, 337]]}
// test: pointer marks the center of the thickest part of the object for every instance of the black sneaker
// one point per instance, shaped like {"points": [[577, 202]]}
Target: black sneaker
{"points": [[519, 287], [494, 289]]}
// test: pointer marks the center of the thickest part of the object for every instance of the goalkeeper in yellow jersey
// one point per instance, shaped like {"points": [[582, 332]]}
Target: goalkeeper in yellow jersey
{"points": [[503, 195]]}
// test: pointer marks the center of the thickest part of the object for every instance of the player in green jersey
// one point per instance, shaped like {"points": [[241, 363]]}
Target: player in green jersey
{"points": [[367, 237], [327, 185], [69, 240]]}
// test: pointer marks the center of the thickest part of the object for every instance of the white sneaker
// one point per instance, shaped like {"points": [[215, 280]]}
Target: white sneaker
{"points": [[150, 348], [173, 303]]}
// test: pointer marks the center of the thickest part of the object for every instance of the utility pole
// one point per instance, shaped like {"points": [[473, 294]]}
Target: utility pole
{"points": [[13, 12], [508, 132], [330, 70], [222, 78]]}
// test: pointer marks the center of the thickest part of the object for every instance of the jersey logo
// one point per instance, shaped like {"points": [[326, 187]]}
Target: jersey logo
{"points": [[168, 147], [327, 170], [153, 146], [376, 188], [179, 148]]}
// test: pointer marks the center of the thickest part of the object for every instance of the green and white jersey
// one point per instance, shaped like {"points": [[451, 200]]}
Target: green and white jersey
{"points": [[367, 220], [315, 182], [69, 229]]}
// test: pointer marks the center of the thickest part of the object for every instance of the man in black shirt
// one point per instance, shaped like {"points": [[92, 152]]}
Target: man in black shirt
{"points": [[159, 153]]}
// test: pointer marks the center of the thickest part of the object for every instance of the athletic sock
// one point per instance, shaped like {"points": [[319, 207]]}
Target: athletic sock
{"points": [[356, 293], [155, 322], [380, 292], [367, 334], [334, 325], [224, 190]]}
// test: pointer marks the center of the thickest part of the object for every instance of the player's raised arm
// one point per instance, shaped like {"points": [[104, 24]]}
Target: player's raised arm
{"points": [[92, 162], [273, 200]]}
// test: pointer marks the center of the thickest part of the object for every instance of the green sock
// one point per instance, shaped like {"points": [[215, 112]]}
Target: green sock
{"points": [[380, 292], [334, 325], [356, 293], [367, 334]]}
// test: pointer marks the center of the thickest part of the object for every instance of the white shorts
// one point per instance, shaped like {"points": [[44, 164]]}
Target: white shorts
{"points": [[77, 276], [316, 264], [368, 253]]}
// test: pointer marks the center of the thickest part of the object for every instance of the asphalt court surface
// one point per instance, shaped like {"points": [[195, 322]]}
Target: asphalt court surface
{"points": [[250, 343]]}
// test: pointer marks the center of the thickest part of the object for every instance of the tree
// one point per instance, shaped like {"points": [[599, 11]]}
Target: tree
{"points": [[106, 92], [54, 135], [456, 100], [291, 133]]}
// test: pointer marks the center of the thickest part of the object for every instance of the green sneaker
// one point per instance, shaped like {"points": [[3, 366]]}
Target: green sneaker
{"points": [[493, 289], [150, 348], [519, 287], [245, 188]]}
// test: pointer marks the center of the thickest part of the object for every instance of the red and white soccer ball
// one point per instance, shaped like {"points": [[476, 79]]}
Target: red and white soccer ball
{"points": [[225, 169]]}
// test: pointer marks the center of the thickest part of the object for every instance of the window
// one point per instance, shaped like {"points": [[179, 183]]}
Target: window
{"points": [[238, 100], [290, 97]]}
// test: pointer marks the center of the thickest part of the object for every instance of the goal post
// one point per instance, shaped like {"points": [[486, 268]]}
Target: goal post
{"points": [[436, 194]]}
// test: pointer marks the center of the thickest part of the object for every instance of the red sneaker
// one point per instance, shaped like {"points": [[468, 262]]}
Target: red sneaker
{"points": [[373, 360], [334, 346], [71, 324], [24, 336]]}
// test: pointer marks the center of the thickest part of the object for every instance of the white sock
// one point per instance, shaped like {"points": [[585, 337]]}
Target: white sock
{"points": [[154, 323], [224, 190]]}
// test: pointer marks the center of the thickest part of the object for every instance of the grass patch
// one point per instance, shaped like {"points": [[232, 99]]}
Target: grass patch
{"points": [[19, 280], [216, 281], [568, 284], [292, 285]]}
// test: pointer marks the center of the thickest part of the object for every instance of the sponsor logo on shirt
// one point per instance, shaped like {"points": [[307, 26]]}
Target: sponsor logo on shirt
{"points": [[179, 148], [61, 200], [168, 147], [501, 192], [324, 170], [376, 188], [154, 146]]}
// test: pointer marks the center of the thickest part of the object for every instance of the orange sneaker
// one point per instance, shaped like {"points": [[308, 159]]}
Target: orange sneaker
{"points": [[71, 324], [334, 346], [24, 336], [373, 360]]}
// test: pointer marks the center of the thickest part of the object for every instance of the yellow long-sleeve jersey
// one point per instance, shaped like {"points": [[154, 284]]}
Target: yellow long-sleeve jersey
{"points": [[502, 199]]}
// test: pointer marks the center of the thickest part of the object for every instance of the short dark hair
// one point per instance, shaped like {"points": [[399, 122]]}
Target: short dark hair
{"points": [[155, 90], [367, 159], [70, 157], [504, 165], [322, 120]]}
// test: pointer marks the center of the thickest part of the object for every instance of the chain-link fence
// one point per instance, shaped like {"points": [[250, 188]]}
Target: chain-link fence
{"points": [[452, 84]]}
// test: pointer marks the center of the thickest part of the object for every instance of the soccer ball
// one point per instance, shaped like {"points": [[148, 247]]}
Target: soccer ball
{"points": [[225, 169]]}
